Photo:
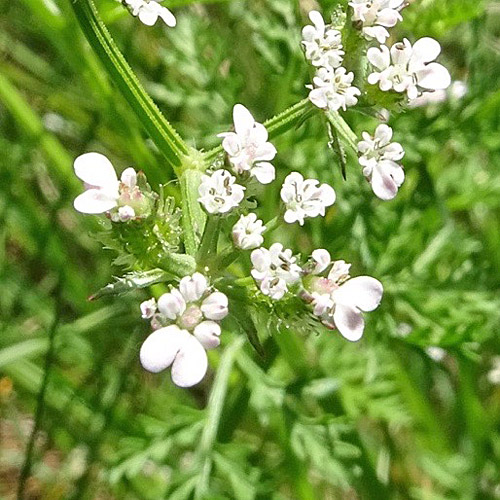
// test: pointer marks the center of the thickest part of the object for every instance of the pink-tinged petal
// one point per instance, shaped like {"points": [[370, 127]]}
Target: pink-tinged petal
{"points": [[208, 333], [190, 364], [394, 4], [383, 185], [380, 58], [393, 169], [434, 76], [129, 177], [243, 120], [349, 322], [363, 292], [388, 17], [160, 349], [264, 172], [215, 306], [94, 201], [193, 287], [426, 49], [172, 304], [96, 170], [384, 134]]}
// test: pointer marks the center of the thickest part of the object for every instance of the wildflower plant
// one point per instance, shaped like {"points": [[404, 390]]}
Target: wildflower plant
{"points": [[213, 260]]}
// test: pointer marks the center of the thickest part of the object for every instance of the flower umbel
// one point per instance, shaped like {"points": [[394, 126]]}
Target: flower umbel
{"points": [[247, 232], [104, 192], [247, 147], [332, 89], [305, 198], [188, 324], [407, 68], [274, 269], [219, 192], [322, 44], [374, 16], [339, 300], [380, 158]]}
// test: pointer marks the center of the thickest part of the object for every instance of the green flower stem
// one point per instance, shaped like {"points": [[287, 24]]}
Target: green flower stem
{"points": [[273, 224], [277, 125], [226, 258], [214, 411], [343, 129], [160, 130], [193, 216], [208, 245]]}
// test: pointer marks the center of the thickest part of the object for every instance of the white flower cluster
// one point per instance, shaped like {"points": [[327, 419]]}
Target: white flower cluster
{"points": [[379, 158], [104, 193], [274, 269], [339, 300], [148, 12], [332, 87], [374, 16], [407, 68], [249, 154], [186, 323]]}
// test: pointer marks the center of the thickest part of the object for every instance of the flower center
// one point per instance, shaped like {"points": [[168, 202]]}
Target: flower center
{"points": [[192, 317]]}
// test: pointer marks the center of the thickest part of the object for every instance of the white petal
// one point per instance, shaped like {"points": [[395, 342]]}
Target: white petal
{"points": [[377, 32], [208, 333], [168, 17], [317, 19], [129, 177], [328, 195], [318, 98], [434, 76], [384, 133], [265, 152], [96, 170], [322, 259], [379, 58], [160, 348], [148, 16], [193, 287], [243, 120], [264, 172], [349, 322], [190, 364], [388, 17], [94, 201], [215, 306], [172, 304], [363, 292], [383, 185], [426, 49]]}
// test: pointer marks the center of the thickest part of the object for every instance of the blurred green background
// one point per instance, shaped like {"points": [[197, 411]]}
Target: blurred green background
{"points": [[318, 417]]}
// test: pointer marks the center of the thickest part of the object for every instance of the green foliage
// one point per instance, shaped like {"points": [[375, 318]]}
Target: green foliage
{"points": [[310, 416]]}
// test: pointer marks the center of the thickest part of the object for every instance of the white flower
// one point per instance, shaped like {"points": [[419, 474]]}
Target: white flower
{"points": [[374, 16], [247, 147], [219, 193], [339, 300], [493, 375], [455, 92], [332, 89], [247, 232], [437, 354], [174, 346], [103, 191], [305, 198], [195, 313], [148, 308], [322, 260], [274, 269], [408, 69], [149, 11], [322, 44], [380, 158]]}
